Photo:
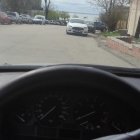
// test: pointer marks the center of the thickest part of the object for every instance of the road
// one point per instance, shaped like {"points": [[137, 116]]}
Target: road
{"points": [[49, 44]]}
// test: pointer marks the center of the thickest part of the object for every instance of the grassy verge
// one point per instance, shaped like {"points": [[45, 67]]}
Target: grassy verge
{"points": [[136, 40], [106, 34]]}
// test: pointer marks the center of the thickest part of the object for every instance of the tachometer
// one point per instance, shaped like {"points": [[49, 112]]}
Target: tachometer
{"points": [[52, 110], [25, 115], [85, 114]]}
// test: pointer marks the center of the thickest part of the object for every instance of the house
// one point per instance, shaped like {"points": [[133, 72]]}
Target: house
{"points": [[122, 24], [134, 15]]}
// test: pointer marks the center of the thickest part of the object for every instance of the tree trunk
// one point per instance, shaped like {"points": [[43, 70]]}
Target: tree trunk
{"points": [[46, 12], [47, 5], [137, 35]]}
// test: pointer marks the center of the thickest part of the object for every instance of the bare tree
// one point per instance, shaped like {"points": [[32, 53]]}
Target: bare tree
{"points": [[107, 5], [20, 5], [112, 11], [64, 15]]}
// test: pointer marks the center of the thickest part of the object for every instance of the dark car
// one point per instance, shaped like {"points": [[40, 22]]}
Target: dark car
{"points": [[4, 19], [100, 26], [63, 22], [57, 22], [91, 28]]}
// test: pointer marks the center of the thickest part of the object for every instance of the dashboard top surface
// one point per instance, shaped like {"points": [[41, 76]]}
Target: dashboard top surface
{"points": [[10, 73]]}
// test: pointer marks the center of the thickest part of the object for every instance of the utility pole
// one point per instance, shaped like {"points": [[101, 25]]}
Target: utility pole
{"points": [[46, 9], [47, 5]]}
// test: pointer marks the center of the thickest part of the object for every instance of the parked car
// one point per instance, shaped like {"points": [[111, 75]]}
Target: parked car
{"points": [[26, 18], [100, 26], [57, 22], [21, 19], [39, 19], [51, 22], [14, 17], [4, 19], [77, 26], [91, 28], [63, 22], [46, 21]]}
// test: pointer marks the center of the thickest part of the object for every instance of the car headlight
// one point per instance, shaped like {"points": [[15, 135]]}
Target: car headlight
{"points": [[85, 28]]}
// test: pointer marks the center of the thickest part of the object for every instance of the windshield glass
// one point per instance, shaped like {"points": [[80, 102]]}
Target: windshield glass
{"points": [[11, 14], [77, 21], [39, 17], [48, 32], [89, 22]]}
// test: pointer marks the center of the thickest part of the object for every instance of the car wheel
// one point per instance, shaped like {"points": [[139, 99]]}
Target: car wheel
{"points": [[67, 32], [103, 30], [93, 31], [85, 35]]}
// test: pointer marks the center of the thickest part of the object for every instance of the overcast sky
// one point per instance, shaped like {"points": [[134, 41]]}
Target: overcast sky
{"points": [[80, 6]]}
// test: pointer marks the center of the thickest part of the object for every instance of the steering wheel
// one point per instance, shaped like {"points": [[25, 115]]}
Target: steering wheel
{"points": [[71, 75]]}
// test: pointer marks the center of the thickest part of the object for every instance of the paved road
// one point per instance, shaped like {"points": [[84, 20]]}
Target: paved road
{"points": [[39, 44]]}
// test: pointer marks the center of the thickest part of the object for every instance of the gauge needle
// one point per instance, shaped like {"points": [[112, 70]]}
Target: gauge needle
{"points": [[86, 115], [82, 124], [20, 118], [116, 127], [52, 109]]}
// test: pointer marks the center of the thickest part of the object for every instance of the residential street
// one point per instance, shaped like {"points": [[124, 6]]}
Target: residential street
{"points": [[49, 44]]}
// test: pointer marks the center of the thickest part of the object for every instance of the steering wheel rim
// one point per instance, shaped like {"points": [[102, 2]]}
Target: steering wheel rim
{"points": [[71, 75]]}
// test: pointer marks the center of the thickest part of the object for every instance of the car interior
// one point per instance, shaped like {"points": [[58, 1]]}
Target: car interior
{"points": [[69, 102]]}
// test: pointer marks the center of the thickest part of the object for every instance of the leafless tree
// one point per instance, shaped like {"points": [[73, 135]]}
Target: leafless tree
{"points": [[20, 5], [112, 11], [107, 5]]}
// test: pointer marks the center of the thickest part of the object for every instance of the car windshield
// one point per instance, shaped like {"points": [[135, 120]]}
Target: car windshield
{"points": [[11, 14], [77, 21], [89, 22], [39, 17], [60, 32], [23, 15]]}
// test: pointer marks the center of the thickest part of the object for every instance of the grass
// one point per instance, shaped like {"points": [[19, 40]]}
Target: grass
{"points": [[106, 34], [136, 40]]}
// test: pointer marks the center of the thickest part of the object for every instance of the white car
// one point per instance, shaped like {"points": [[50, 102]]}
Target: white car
{"points": [[39, 19], [77, 26]]}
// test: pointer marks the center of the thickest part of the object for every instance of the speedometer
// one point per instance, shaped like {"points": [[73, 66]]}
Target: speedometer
{"points": [[85, 114], [24, 116], [52, 110]]}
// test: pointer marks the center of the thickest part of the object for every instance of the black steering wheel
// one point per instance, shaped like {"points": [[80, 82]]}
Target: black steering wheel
{"points": [[70, 75]]}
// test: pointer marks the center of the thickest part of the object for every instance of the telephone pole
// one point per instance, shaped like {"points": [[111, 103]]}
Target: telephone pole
{"points": [[46, 9]]}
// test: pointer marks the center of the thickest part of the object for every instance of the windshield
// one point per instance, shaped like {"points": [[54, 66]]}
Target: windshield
{"points": [[11, 14], [48, 32], [39, 17], [89, 22], [77, 21]]}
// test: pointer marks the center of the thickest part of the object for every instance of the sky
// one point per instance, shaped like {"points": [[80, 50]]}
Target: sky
{"points": [[75, 6]]}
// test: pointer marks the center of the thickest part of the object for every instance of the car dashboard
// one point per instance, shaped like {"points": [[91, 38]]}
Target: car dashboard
{"points": [[67, 113]]}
